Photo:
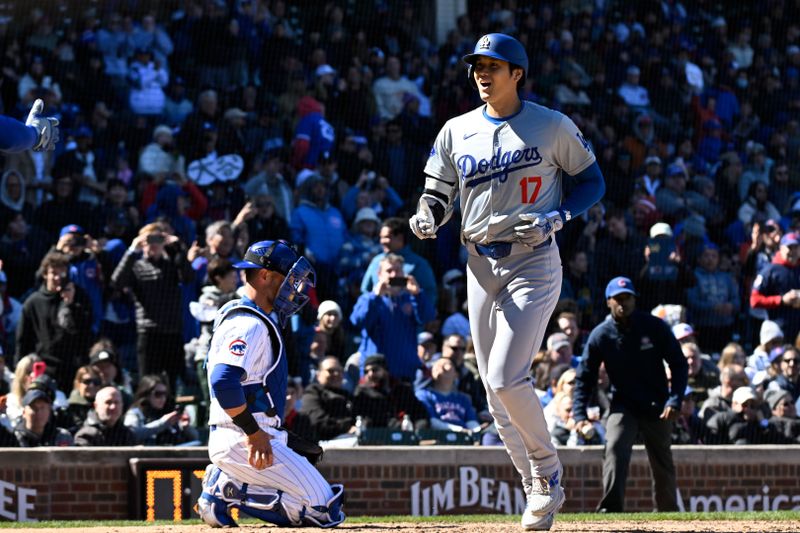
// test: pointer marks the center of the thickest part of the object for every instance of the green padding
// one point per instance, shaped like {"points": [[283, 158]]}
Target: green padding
{"points": [[445, 437], [387, 437]]}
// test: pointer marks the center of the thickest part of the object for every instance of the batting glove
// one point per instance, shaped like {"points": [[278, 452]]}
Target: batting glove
{"points": [[46, 127], [537, 228], [423, 223]]}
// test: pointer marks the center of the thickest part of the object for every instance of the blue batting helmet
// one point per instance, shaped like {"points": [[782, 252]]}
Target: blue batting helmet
{"points": [[498, 46]]}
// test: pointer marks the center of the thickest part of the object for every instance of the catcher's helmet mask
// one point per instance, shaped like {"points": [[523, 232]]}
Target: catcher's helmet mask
{"points": [[499, 46], [299, 276]]}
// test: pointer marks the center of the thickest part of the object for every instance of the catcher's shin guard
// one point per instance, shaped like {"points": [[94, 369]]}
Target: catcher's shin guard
{"points": [[211, 507], [261, 503], [329, 515]]}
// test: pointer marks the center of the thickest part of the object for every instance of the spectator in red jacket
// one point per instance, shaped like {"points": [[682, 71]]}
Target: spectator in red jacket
{"points": [[777, 287]]}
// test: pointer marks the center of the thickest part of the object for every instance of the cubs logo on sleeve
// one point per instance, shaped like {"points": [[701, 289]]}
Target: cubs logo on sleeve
{"points": [[237, 347]]}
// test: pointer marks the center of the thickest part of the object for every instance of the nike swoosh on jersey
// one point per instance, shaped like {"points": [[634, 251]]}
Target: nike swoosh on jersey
{"points": [[470, 135]]}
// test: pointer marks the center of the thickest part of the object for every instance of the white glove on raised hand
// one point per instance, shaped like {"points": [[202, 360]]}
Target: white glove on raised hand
{"points": [[537, 228], [46, 127], [423, 223]]}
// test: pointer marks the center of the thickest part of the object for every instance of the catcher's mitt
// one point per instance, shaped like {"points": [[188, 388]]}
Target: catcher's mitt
{"points": [[310, 450]]}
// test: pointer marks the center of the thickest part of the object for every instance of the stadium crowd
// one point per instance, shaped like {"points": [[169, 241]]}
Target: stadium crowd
{"points": [[196, 127]]}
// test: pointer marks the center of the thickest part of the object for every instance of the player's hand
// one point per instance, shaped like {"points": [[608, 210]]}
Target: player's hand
{"points": [[537, 228], [259, 450], [46, 127], [422, 223]]}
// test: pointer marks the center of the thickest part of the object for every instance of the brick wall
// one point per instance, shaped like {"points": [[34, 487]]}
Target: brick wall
{"points": [[98, 483]]}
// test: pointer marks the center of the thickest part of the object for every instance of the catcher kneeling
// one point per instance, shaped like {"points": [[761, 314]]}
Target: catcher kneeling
{"points": [[258, 467]]}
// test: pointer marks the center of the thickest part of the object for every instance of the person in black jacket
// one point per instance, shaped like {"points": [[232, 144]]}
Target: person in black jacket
{"points": [[56, 321], [744, 423], [103, 426], [326, 403], [37, 426], [153, 269], [382, 401], [633, 345]]}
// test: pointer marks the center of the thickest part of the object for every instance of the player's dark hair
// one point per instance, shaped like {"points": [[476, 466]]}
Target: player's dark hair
{"points": [[250, 274], [397, 226], [521, 81]]}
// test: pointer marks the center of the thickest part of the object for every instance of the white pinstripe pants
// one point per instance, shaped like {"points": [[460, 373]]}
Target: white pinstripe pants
{"points": [[290, 473]]}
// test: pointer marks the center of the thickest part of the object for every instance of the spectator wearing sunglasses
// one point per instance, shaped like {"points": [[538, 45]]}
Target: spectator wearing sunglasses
{"points": [[85, 386], [153, 417], [788, 379]]}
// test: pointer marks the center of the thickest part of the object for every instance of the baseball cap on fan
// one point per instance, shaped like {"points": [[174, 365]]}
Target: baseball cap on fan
{"points": [[72, 228], [618, 286], [743, 394], [790, 239], [682, 331]]}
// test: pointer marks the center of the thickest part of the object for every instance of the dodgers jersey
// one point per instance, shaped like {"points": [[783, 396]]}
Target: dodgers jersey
{"points": [[242, 339], [508, 168]]}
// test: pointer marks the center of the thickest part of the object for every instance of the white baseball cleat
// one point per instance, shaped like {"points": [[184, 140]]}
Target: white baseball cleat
{"points": [[538, 523], [544, 500]]}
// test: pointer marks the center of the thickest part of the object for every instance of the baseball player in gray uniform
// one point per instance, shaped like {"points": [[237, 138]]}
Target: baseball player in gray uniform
{"points": [[253, 466], [505, 161]]}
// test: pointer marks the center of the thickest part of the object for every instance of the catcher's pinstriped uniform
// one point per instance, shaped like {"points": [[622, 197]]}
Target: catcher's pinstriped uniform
{"points": [[507, 173], [247, 366], [242, 340]]}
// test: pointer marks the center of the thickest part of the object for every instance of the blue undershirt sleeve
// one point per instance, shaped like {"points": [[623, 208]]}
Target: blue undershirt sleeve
{"points": [[15, 136], [589, 189], [227, 386]]}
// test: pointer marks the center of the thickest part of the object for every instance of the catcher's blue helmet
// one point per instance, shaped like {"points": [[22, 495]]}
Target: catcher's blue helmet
{"points": [[272, 255], [498, 46]]}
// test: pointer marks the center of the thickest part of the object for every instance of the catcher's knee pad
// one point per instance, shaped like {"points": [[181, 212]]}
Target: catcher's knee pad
{"points": [[328, 515]]}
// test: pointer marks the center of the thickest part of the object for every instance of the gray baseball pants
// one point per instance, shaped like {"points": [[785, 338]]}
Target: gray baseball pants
{"points": [[510, 301]]}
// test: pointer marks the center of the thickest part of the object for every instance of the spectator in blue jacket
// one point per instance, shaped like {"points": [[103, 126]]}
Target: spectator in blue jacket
{"points": [[393, 239], [449, 409], [713, 301], [320, 228], [313, 134], [389, 316]]}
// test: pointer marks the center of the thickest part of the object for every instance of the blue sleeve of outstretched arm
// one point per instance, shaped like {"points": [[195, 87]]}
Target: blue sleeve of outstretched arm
{"points": [[15, 136], [589, 189]]}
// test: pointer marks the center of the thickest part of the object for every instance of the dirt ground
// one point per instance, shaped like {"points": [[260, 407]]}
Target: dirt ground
{"points": [[631, 526]]}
